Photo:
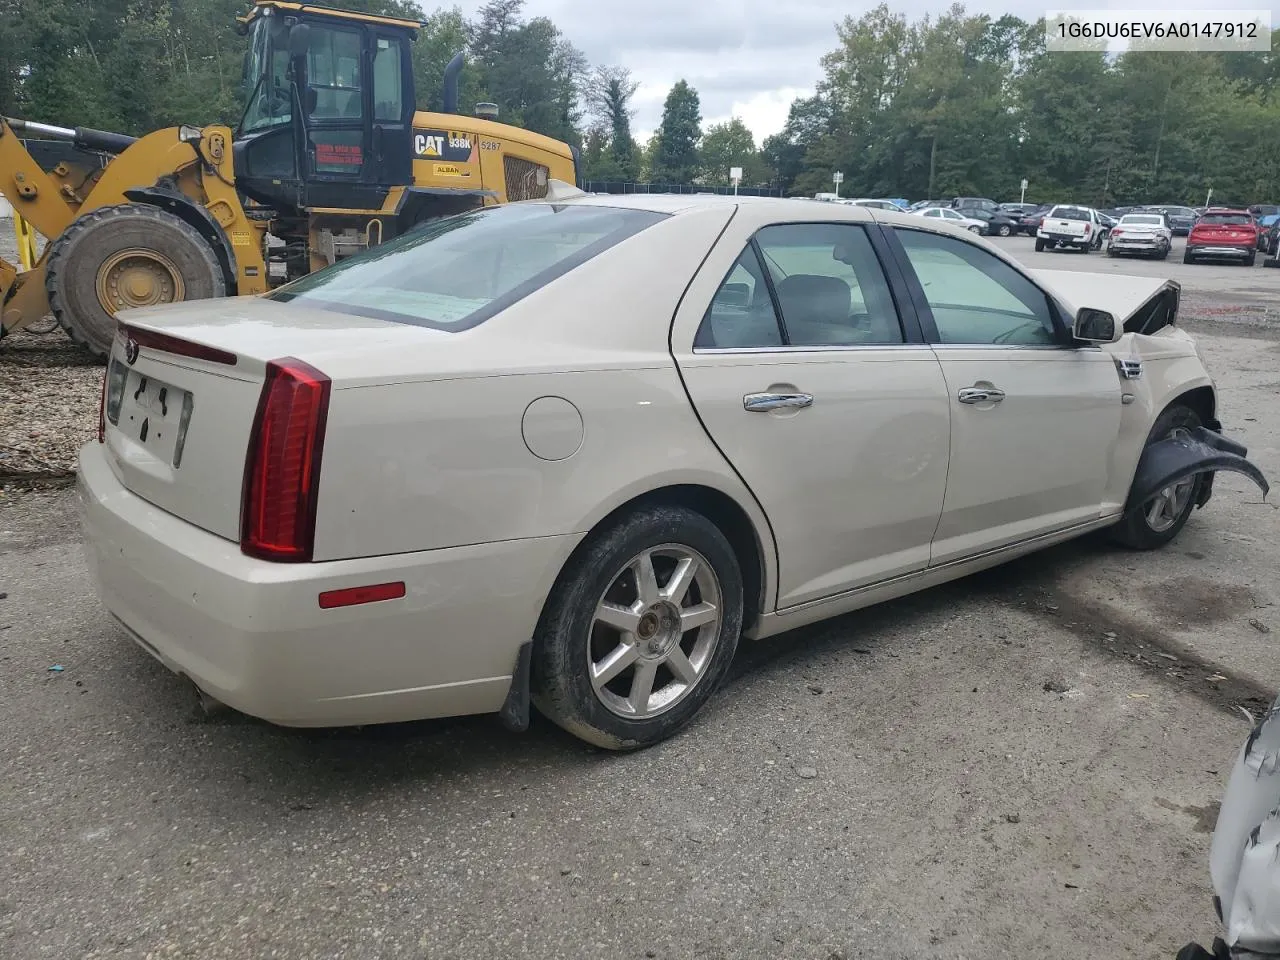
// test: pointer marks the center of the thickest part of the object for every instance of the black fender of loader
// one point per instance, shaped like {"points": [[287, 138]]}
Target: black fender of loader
{"points": [[1201, 451], [198, 217]]}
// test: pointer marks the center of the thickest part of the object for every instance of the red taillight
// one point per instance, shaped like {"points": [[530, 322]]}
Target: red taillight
{"points": [[1116, 231], [102, 404], [282, 472]]}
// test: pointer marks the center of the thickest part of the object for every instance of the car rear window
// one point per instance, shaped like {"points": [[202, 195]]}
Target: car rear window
{"points": [[1142, 219], [1070, 213], [456, 272], [1227, 219]]}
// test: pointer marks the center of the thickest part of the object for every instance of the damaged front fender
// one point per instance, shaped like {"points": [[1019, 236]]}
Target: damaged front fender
{"points": [[1198, 451]]}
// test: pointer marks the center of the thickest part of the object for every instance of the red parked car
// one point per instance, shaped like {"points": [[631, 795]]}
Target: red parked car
{"points": [[1223, 234]]}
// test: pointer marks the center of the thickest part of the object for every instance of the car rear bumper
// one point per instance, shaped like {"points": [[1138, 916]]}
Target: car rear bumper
{"points": [[1136, 244], [1239, 252], [252, 634]]}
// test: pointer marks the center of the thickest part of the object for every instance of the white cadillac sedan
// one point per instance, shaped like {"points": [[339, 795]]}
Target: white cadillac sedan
{"points": [[571, 451]]}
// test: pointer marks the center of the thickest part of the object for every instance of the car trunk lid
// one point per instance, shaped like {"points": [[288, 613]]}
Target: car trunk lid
{"points": [[184, 382]]}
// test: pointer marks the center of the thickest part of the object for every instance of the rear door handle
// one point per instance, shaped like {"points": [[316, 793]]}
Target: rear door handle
{"points": [[981, 395], [764, 402]]}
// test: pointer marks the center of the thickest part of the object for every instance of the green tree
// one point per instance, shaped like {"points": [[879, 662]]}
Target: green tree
{"points": [[608, 98], [676, 157], [728, 145]]}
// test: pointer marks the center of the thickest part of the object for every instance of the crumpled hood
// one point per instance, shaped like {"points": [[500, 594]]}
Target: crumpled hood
{"points": [[1120, 295]]}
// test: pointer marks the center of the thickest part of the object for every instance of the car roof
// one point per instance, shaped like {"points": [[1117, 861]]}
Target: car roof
{"points": [[1232, 210], [680, 203]]}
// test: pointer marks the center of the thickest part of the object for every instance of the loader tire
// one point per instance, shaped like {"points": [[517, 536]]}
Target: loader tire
{"points": [[121, 257]]}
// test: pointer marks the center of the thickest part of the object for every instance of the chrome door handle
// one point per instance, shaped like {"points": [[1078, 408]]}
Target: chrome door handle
{"points": [[981, 395], [764, 402]]}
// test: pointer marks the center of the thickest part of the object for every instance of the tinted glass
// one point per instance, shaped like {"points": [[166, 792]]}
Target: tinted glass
{"points": [[976, 297], [388, 89], [456, 272], [1070, 213], [830, 286], [1227, 219], [1142, 219], [741, 314], [333, 72]]}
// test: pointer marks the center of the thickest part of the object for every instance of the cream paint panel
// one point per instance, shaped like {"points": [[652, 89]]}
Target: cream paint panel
{"points": [[1037, 461], [421, 466], [852, 485], [1170, 368]]}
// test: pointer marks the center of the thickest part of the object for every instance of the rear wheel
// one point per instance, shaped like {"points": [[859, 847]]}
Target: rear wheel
{"points": [[1157, 521], [125, 256], [975, 229], [639, 630], [1251, 259], [1039, 245], [1187, 257]]}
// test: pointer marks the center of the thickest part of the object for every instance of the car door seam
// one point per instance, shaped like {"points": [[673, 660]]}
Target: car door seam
{"points": [[697, 414]]}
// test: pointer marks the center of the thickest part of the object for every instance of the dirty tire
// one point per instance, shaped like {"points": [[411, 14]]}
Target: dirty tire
{"points": [[1134, 530], [1039, 245], [561, 686], [76, 256]]}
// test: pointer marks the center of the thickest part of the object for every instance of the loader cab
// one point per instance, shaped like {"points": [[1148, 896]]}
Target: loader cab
{"points": [[329, 105]]}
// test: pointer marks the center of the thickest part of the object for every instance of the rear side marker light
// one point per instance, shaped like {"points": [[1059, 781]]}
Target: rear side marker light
{"points": [[282, 470], [351, 596], [176, 345]]}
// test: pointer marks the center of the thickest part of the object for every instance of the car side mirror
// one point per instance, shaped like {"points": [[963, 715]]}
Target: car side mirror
{"points": [[1096, 326]]}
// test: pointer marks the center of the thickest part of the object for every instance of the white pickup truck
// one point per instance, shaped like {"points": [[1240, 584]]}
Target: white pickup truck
{"points": [[1070, 226]]}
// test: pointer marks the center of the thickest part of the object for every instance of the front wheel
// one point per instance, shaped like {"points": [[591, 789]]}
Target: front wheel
{"points": [[1005, 230], [1157, 521], [121, 257], [640, 629], [977, 230]]}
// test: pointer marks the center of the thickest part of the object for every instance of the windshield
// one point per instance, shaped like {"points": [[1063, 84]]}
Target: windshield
{"points": [[1070, 213], [269, 102], [1149, 219], [1228, 219], [456, 272]]}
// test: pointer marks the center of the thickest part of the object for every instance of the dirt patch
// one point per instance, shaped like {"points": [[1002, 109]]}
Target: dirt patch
{"points": [[1195, 601], [1206, 817]]}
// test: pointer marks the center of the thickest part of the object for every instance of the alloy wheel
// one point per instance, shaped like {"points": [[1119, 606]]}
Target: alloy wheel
{"points": [[654, 632]]}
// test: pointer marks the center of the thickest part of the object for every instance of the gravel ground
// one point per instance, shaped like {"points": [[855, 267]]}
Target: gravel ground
{"points": [[1026, 763]]}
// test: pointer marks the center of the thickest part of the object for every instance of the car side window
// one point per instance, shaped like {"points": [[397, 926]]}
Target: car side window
{"points": [[830, 286], [933, 213], [741, 314], [975, 297]]}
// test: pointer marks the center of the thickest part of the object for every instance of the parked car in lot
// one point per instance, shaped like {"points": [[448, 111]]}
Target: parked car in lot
{"points": [[1267, 215], [1030, 222], [997, 223], [1019, 210], [953, 217], [1181, 219], [1271, 240], [1147, 234], [878, 204], [1223, 235], [1076, 227], [574, 449], [971, 205]]}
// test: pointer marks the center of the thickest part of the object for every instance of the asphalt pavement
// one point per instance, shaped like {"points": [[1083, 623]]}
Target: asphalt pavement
{"points": [[1025, 763]]}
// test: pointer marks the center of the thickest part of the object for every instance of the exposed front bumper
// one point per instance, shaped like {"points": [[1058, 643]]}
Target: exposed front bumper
{"points": [[252, 633]]}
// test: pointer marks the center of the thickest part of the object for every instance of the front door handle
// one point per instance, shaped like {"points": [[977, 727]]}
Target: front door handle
{"points": [[764, 402], [981, 395]]}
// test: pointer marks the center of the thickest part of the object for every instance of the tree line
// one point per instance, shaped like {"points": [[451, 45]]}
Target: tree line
{"points": [[943, 105]]}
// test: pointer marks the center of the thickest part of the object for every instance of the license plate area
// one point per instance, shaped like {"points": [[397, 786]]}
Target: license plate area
{"points": [[155, 416]]}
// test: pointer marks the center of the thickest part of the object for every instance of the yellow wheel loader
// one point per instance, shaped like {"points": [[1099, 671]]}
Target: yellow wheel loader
{"points": [[330, 157]]}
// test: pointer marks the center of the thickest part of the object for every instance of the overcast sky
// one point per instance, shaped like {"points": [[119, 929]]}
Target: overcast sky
{"points": [[748, 58]]}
